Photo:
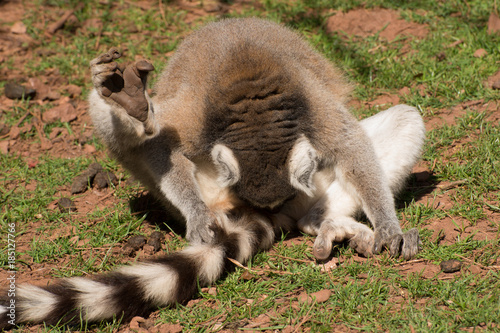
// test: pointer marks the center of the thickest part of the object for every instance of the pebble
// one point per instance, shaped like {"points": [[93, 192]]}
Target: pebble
{"points": [[17, 91], [451, 266], [81, 182], [66, 205], [136, 242], [104, 179], [155, 241]]}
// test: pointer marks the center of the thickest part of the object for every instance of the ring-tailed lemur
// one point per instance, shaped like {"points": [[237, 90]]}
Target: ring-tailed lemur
{"points": [[248, 133]]}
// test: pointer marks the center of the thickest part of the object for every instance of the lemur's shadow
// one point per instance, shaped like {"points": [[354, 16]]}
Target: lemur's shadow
{"points": [[155, 213], [418, 186]]}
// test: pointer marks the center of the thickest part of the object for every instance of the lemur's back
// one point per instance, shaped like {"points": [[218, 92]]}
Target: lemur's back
{"points": [[236, 63]]}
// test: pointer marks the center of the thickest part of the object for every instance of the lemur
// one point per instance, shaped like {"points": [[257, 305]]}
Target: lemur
{"points": [[248, 134]]}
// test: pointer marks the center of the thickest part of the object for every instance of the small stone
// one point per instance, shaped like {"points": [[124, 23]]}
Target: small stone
{"points": [[155, 243], [17, 91], [496, 85], [157, 235], [136, 242], [441, 56], [132, 29], [66, 205], [104, 179], [451, 266], [100, 181], [94, 168], [81, 182]]}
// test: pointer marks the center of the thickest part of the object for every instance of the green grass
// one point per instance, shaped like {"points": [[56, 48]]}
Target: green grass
{"points": [[371, 296]]}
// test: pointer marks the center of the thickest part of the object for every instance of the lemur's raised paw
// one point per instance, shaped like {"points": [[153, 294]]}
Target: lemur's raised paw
{"points": [[124, 85], [407, 244]]}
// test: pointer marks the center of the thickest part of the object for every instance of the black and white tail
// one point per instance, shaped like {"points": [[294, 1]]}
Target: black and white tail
{"points": [[137, 289]]}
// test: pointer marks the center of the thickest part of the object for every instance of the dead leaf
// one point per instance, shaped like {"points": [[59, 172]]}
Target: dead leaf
{"points": [[64, 112], [14, 132], [405, 91], [45, 144], [260, 321], [170, 328], [89, 149], [4, 147], [18, 28], [135, 322], [73, 240], [73, 90], [83, 242], [42, 90], [480, 53], [330, 265], [493, 24], [322, 295]]}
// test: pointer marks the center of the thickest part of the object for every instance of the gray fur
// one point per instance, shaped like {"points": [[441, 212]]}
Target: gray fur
{"points": [[259, 90]]}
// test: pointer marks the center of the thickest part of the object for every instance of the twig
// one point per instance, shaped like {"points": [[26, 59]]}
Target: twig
{"points": [[237, 263], [59, 24], [293, 259], [476, 263], [451, 185], [107, 196], [22, 119], [410, 262], [162, 12], [306, 317]]}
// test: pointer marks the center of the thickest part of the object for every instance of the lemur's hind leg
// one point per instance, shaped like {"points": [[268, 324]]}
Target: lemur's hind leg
{"points": [[397, 135]]}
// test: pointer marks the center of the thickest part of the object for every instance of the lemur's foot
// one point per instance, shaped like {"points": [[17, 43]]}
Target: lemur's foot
{"points": [[124, 85], [407, 244]]}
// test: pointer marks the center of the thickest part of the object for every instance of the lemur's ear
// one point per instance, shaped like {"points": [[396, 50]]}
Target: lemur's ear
{"points": [[226, 164], [303, 164]]}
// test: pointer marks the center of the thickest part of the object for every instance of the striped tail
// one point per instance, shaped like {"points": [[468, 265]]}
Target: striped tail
{"points": [[137, 289]]}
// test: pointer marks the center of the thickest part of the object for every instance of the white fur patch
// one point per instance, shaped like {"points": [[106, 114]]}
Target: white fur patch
{"points": [[159, 282], [227, 166], [209, 259], [37, 303], [303, 164], [93, 298], [3, 310]]}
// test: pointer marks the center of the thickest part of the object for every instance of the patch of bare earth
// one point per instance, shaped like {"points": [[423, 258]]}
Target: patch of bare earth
{"points": [[362, 22]]}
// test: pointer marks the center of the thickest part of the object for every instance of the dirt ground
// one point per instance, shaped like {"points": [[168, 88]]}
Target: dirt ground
{"points": [[70, 106]]}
